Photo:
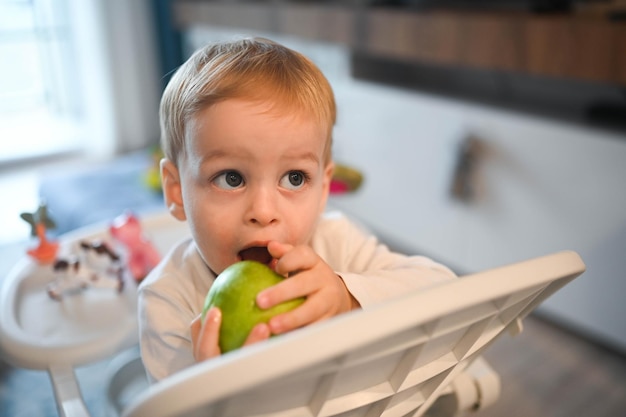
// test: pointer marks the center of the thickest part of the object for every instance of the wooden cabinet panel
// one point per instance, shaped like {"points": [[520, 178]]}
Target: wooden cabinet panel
{"points": [[330, 24], [594, 47], [548, 48], [491, 41], [620, 54], [570, 48], [565, 46], [425, 37], [250, 16]]}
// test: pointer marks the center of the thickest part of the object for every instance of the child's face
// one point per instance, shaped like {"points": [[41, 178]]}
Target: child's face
{"points": [[250, 176]]}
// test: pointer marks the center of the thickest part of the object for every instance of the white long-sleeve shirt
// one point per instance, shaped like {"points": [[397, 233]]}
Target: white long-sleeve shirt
{"points": [[173, 294]]}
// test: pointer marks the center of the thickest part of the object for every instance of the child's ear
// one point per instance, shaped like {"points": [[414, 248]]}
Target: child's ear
{"points": [[327, 178], [172, 190]]}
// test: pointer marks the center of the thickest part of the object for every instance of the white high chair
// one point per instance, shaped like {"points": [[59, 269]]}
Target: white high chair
{"points": [[39, 333], [394, 359]]}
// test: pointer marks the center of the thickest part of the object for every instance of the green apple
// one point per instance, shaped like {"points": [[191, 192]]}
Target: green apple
{"points": [[234, 291]]}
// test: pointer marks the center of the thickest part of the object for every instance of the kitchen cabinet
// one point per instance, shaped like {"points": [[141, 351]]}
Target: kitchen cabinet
{"points": [[566, 45]]}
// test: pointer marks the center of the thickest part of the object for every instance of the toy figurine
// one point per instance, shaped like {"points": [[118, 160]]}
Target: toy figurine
{"points": [[46, 250], [95, 266], [142, 256]]}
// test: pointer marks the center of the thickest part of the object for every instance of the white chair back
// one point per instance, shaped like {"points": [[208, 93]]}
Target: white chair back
{"points": [[393, 359]]}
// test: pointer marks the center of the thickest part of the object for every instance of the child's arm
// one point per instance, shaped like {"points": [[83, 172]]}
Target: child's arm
{"points": [[368, 268], [165, 349], [345, 268], [367, 273]]}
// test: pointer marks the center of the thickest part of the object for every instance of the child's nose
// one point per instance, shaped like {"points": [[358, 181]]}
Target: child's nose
{"points": [[262, 207]]}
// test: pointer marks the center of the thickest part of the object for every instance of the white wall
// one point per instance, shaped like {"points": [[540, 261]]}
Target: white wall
{"points": [[544, 187]]}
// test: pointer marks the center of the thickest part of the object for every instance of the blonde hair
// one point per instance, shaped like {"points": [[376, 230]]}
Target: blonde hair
{"points": [[254, 69]]}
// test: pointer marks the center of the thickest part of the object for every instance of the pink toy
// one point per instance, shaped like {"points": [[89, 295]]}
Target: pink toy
{"points": [[345, 179], [142, 256]]}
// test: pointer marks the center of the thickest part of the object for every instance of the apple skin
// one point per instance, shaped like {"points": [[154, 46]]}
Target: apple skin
{"points": [[234, 291]]}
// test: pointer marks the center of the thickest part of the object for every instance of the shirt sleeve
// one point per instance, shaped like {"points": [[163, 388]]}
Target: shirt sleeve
{"points": [[165, 348], [168, 301], [372, 273]]}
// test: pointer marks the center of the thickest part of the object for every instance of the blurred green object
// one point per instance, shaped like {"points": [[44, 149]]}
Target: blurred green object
{"points": [[345, 179], [152, 178]]}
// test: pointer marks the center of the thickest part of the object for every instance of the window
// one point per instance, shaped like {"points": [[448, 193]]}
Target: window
{"points": [[39, 104]]}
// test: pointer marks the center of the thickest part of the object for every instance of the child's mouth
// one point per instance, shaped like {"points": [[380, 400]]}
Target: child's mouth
{"points": [[256, 253]]}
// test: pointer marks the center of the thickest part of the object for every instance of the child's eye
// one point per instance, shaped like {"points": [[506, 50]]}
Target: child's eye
{"points": [[229, 180], [293, 180]]}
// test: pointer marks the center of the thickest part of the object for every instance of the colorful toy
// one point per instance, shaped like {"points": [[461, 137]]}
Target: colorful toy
{"points": [[142, 256], [345, 179], [46, 250], [96, 265]]}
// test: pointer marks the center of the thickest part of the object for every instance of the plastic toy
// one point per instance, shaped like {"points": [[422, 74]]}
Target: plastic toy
{"points": [[345, 179], [96, 265], [46, 250], [142, 256]]}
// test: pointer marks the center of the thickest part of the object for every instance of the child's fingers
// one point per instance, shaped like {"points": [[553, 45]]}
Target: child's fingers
{"points": [[309, 312], [258, 333], [278, 249], [205, 336], [294, 259], [288, 289], [300, 285]]}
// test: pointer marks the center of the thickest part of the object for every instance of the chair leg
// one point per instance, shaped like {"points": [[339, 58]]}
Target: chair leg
{"points": [[67, 392], [477, 387]]}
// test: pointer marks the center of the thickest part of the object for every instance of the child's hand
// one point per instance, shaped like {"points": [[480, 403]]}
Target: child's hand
{"points": [[309, 276], [205, 337]]}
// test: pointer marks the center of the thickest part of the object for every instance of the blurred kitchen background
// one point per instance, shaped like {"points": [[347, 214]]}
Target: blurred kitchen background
{"points": [[487, 131]]}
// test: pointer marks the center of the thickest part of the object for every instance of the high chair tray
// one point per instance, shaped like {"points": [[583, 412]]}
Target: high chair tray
{"points": [[37, 331]]}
